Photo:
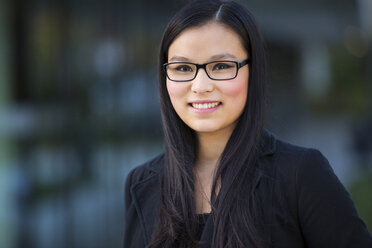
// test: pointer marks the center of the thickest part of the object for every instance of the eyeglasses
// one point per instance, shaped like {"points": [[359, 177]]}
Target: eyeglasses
{"points": [[216, 70]]}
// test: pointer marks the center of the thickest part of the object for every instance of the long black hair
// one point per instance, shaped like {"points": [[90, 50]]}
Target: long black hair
{"points": [[235, 210]]}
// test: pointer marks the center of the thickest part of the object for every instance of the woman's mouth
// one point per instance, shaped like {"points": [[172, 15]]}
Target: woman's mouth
{"points": [[205, 105]]}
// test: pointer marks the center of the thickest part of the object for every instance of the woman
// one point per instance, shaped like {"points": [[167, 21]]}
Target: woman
{"points": [[223, 181]]}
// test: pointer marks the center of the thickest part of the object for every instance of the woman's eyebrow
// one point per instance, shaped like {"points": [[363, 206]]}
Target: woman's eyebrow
{"points": [[179, 58], [214, 57], [223, 56]]}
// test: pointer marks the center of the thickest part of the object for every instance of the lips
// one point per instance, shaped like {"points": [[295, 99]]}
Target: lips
{"points": [[204, 106]]}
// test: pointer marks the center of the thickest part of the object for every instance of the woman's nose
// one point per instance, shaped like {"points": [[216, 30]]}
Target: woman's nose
{"points": [[202, 83]]}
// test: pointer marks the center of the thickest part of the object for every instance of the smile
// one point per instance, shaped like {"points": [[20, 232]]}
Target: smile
{"points": [[205, 105]]}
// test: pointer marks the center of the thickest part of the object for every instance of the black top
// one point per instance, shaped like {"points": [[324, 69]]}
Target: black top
{"points": [[202, 220], [305, 204]]}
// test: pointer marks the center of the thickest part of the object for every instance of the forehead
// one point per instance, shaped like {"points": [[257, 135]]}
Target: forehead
{"points": [[204, 42]]}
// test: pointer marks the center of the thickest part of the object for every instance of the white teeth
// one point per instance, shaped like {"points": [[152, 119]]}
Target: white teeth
{"points": [[205, 105]]}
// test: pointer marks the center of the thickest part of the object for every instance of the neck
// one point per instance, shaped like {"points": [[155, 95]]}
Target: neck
{"points": [[210, 148]]}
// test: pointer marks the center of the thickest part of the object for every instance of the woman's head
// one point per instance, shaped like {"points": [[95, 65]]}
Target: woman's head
{"points": [[237, 21], [210, 100]]}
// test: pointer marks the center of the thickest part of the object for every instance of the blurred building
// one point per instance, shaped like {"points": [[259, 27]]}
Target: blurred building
{"points": [[79, 108]]}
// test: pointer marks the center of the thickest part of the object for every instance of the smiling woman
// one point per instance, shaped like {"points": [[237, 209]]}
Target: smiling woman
{"points": [[223, 180]]}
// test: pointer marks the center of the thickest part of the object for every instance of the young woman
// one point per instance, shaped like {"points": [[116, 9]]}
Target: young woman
{"points": [[223, 180]]}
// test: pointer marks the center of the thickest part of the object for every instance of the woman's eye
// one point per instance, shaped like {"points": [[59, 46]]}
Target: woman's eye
{"points": [[221, 66], [183, 68]]}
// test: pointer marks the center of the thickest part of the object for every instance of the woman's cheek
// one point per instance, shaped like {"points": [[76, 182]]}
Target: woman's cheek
{"points": [[177, 93], [235, 89]]}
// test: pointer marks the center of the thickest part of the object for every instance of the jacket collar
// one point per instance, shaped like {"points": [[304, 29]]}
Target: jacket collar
{"points": [[269, 147], [269, 143]]}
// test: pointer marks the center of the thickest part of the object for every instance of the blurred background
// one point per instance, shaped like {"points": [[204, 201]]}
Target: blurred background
{"points": [[79, 107]]}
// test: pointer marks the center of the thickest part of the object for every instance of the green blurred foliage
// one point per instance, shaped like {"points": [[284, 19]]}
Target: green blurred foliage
{"points": [[360, 191], [349, 91]]}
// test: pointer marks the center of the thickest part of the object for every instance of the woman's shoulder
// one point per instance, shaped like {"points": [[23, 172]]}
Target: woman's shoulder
{"points": [[287, 149], [317, 199], [146, 170], [289, 156], [306, 176], [297, 165]]}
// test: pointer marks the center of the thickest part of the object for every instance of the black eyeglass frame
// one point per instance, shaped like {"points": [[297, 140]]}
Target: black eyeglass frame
{"points": [[204, 66]]}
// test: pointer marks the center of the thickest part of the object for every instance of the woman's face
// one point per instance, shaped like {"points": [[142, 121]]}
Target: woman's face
{"points": [[206, 105]]}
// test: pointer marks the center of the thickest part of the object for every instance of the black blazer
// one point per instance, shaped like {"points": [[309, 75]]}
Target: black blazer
{"points": [[305, 204]]}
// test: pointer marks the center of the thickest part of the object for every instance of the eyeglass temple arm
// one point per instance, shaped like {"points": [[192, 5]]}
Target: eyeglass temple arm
{"points": [[244, 62]]}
